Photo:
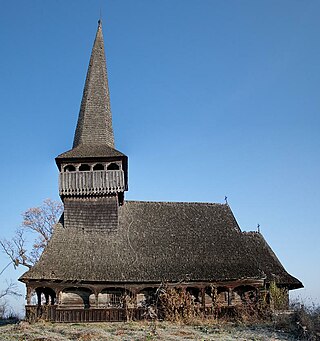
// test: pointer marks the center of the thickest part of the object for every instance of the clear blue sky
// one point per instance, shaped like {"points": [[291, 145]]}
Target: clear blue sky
{"points": [[209, 98]]}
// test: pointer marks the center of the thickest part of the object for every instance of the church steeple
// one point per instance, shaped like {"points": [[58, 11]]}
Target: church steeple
{"points": [[95, 121], [93, 167]]}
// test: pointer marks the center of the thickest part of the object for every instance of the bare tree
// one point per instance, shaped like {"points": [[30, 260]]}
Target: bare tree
{"points": [[39, 222], [10, 290]]}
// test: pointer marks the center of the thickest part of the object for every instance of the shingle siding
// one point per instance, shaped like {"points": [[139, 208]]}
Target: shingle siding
{"points": [[91, 213]]}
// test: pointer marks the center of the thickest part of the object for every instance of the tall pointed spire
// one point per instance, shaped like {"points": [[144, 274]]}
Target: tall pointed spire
{"points": [[95, 120]]}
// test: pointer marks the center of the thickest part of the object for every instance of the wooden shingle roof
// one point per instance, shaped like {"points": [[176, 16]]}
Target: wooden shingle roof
{"points": [[90, 151], [95, 121], [267, 260], [94, 133], [157, 241]]}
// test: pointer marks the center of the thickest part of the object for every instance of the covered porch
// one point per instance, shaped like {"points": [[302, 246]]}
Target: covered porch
{"points": [[87, 302]]}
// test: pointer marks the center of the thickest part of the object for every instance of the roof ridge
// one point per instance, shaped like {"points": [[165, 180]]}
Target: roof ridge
{"points": [[252, 232], [178, 202]]}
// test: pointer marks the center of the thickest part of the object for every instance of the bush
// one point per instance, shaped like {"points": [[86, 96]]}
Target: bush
{"points": [[279, 297], [177, 305], [306, 322], [303, 322]]}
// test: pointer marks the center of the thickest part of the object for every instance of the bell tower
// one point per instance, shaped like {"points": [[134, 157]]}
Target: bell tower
{"points": [[93, 174]]}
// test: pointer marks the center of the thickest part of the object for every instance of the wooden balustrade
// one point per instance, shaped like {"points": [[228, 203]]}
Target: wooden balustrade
{"points": [[53, 313], [91, 182]]}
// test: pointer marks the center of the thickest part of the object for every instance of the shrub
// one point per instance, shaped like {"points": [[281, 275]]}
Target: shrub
{"points": [[279, 296], [306, 322], [175, 305]]}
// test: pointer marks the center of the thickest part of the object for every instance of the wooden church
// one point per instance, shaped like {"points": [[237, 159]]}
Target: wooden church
{"points": [[108, 255]]}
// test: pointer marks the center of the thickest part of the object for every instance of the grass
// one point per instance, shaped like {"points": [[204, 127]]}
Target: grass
{"points": [[301, 323], [143, 330]]}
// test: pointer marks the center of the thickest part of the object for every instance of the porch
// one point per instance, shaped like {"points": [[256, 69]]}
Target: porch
{"points": [[114, 304]]}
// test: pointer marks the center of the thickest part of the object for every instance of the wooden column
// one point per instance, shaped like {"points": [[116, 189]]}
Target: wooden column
{"points": [[229, 296], [39, 297], [59, 294], [29, 295], [47, 297], [57, 291], [96, 296], [203, 297]]}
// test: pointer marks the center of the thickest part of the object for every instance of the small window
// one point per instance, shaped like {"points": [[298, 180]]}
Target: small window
{"points": [[113, 166], [84, 167], [98, 167], [69, 168]]}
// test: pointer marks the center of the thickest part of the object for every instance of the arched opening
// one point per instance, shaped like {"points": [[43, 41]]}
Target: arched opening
{"points": [[75, 297], [195, 294], [98, 167], [245, 294], [236, 298], [84, 167], [69, 168], [208, 296], [146, 297], [113, 166], [114, 298], [45, 296], [222, 298]]}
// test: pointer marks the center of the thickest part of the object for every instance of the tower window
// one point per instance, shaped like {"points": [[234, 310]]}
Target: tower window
{"points": [[84, 167], [98, 167], [113, 166], [69, 168]]}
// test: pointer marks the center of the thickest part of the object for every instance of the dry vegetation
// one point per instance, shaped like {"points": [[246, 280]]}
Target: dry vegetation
{"points": [[300, 324], [144, 330], [183, 321]]}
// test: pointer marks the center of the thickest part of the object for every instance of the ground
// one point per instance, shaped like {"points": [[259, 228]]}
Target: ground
{"points": [[139, 331]]}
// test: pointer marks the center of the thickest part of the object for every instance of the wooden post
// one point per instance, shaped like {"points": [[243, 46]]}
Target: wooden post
{"points": [[39, 297], [59, 297], [96, 295], [57, 301], [29, 295], [229, 296], [203, 297], [46, 296]]}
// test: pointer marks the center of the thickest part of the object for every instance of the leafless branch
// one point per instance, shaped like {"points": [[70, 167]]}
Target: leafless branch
{"points": [[38, 220], [10, 290]]}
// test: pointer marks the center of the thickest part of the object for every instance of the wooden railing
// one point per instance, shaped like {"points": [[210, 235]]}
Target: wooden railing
{"points": [[53, 313], [91, 182]]}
